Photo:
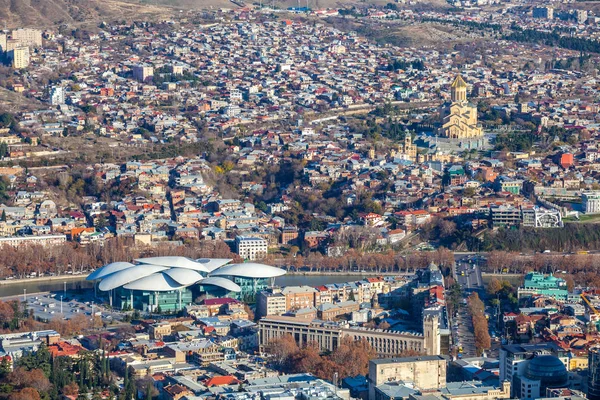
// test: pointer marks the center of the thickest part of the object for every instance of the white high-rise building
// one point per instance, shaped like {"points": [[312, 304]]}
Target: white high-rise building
{"points": [[57, 96]]}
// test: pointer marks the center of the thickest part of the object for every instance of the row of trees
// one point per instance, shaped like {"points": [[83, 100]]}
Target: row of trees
{"points": [[576, 269], [476, 310], [70, 257], [571, 238], [554, 39], [353, 260], [350, 358]]}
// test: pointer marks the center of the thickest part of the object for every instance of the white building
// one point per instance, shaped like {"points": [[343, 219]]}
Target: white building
{"points": [[591, 202], [251, 248], [57, 96], [143, 72], [43, 240]]}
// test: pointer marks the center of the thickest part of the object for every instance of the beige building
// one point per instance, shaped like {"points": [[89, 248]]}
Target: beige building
{"points": [[328, 336], [425, 372], [28, 37], [143, 72], [297, 297], [159, 330], [460, 118], [409, 149], [268, 303], [19, 57]]}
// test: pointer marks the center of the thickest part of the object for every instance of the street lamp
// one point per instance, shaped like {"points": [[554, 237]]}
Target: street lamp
{"points": [[65, 288], [61, 304], [25, 295]]}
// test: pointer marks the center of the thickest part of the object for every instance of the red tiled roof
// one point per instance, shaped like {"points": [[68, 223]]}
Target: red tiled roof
{"points": [[219, 302], [221, 381]]}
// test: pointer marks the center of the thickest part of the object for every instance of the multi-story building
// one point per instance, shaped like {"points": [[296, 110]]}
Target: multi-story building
{"points": [[43, 240], [57, 96], [270, 303], [505, 184], [543, 12], [251, 248], [425, 372], [581, 16], [514, 364], [143, 72], [329, 311], [591, 202], [297, 297], [328, 335], [28, 37], [593, 392], [19, 57], [505, 215]]}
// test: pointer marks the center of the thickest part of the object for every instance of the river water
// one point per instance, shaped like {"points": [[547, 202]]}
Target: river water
{"points": [[57, 285]]}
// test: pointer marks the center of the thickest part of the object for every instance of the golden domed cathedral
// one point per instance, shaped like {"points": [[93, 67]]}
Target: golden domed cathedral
{"points": [[459, 119]]}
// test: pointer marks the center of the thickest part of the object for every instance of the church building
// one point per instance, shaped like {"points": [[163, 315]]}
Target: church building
{"points": [[459, 119]]}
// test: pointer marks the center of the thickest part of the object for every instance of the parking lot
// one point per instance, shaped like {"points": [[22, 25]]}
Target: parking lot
{"points": [[66, 304]]}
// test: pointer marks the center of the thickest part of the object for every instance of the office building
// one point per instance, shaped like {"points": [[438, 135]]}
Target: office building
{"points": [[328, 335], [514, 362], [3, 42], [251, 248], [591, 202]]}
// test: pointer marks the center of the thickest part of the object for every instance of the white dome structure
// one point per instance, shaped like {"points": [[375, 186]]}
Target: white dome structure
{"points": [[166, 281]]}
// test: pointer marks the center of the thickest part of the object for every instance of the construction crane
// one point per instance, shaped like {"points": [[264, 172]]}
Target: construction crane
{"points": [[591, 307]]}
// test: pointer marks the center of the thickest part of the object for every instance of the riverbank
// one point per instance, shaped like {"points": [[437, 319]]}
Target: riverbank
{"points": [[44, 279]]}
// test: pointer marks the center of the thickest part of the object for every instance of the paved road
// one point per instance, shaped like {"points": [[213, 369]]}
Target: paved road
{"points": [[468, 277]]}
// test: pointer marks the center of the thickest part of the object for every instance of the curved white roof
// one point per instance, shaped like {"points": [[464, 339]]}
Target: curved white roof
{"points": [[172, 273], [173, 262], [249, 270], [213, 263], [128, 275], [108, 269], [184, 276], [156, 282], [221, 282]]}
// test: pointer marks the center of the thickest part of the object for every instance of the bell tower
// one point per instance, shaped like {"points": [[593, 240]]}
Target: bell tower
{"points": [[431, 335], [458, 90]]}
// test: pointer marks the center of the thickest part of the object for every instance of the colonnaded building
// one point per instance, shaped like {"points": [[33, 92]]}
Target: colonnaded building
{"points": [[170, 283], [328, 335], [459, 119]]}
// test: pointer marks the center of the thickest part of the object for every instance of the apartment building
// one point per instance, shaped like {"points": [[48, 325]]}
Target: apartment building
{"points": [[251, 248]]}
